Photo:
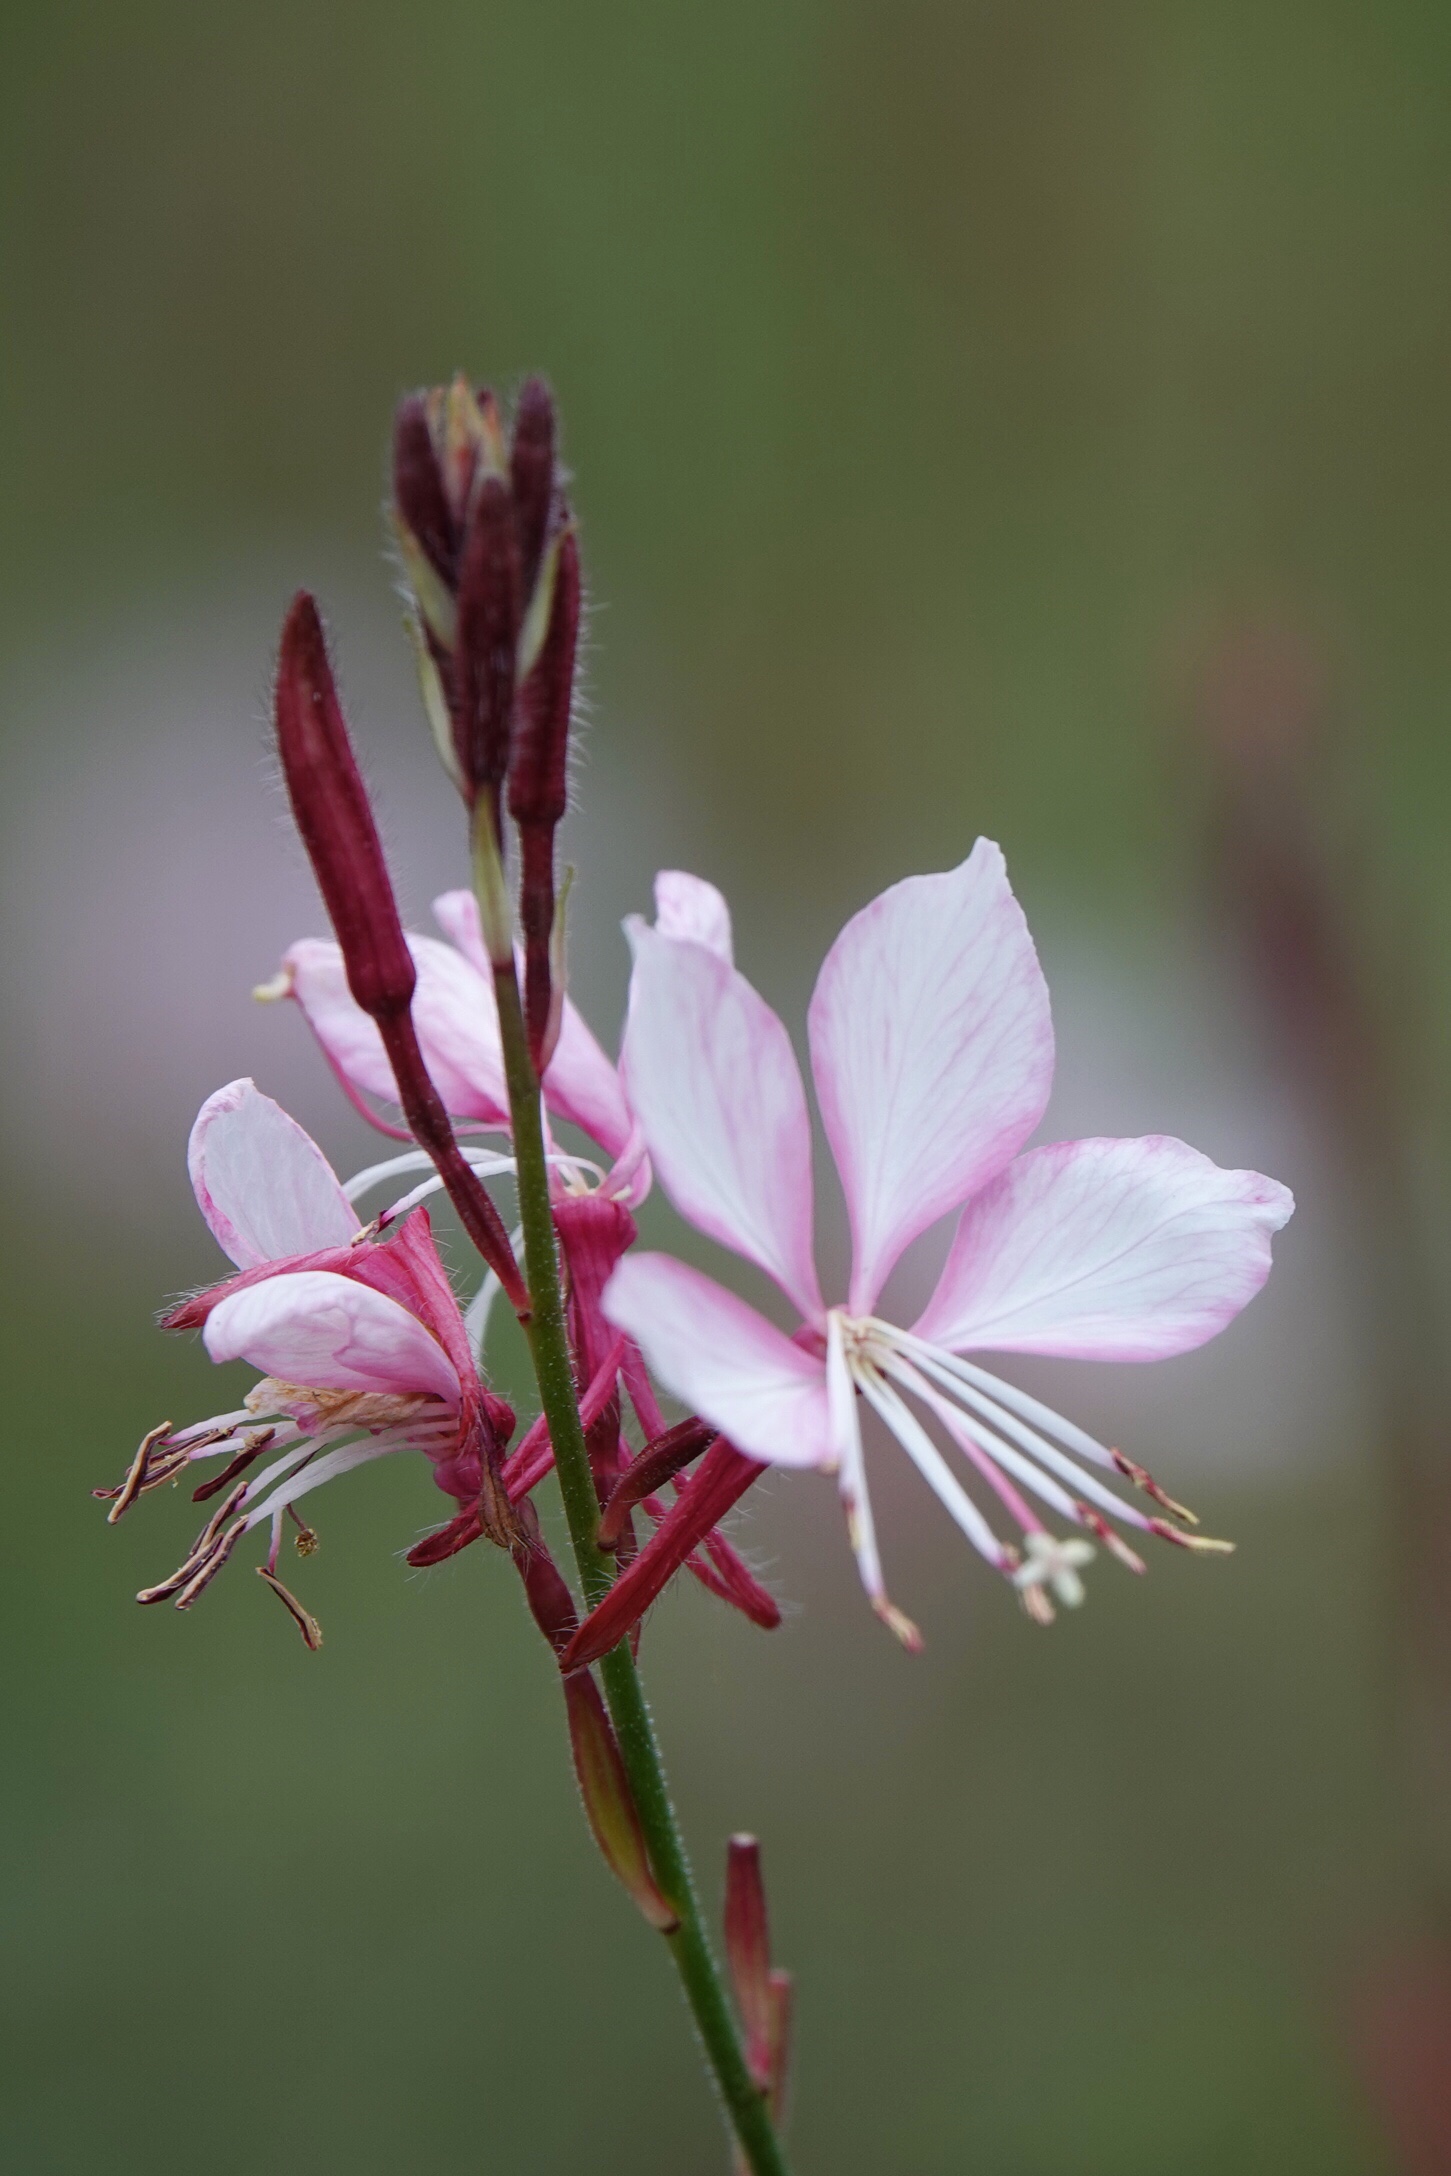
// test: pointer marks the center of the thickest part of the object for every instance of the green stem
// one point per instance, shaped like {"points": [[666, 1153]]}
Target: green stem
{"points": [[639, 1749]]}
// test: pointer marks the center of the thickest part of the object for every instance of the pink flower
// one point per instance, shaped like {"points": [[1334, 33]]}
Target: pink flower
{"points": [[458, 1031], [932, 1052], [361, 1346]]}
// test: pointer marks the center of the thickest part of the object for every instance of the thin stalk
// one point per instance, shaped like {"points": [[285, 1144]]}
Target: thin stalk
{"points": [[546, 1328]]}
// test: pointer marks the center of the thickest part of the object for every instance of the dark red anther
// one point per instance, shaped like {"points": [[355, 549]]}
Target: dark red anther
{"points": [[331, 809], [531, 477], [418, 493], [335, 819], [539, 793], [722, 1478], [489, 610]]}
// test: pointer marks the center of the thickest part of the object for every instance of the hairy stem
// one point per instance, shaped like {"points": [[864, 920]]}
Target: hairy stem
{"points": [[745, 2105]]}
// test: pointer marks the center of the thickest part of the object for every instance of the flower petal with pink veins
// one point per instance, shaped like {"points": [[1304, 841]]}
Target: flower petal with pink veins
{"points": [[711, 1076], [453, 1013], [932, 1046], [261, 1182], [1106, 1250], [315, 976], [686, 906], [581, 1084], [724, 1360], [328, 1333]]}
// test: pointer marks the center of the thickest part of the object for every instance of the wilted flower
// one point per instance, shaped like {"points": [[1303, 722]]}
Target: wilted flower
{"points": [[932, 1051]]}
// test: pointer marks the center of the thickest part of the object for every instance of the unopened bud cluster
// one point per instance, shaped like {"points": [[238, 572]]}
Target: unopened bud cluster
{"points": [[489, 552]]}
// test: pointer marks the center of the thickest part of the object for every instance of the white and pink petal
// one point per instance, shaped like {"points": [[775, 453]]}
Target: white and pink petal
{"points": [[262, 1183], [711, 1076], [725, 1361], [327, 1332], [582, 1084], [1106, 1250], [688, 907], [932, 1047]]}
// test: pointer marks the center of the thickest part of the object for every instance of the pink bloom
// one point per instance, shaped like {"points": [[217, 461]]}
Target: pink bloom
{"points": [[361, 1346], [932, 1052], [458, 1031]]}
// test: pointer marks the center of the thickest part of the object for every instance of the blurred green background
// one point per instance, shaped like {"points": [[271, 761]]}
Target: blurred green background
{"points": [[934, 375]]}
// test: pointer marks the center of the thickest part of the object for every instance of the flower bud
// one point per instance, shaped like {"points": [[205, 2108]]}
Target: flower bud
{"points": [[335, 820], [489, 612], [763, 1995], [332, 812], [608, 1803], [539, 794], [419, 500], [531, 476]]}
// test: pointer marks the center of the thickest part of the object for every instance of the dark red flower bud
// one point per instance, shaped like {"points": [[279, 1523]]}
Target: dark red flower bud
{"points": [[335, 819], [531, 476], [418, 493], [489, 611], [763, 1995], [330, 805], [539, 765], [539, 795]]}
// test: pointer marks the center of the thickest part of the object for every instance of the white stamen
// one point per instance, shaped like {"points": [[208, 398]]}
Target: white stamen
{"points": [[1004, 1393], [988, 1445], [852, 1483], [1047, 1454], [931, 1464], [330, 1466], [487, 1163]]}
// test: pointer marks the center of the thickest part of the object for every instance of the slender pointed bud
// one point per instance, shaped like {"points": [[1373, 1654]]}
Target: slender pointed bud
{"points": [[539, 793], [748, 1953], [608, 1804], [419, 498], [531, 475], [489, 611], [333, 814], [330, 805], [658, 1463], [539, 766], [720, 1480]]}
